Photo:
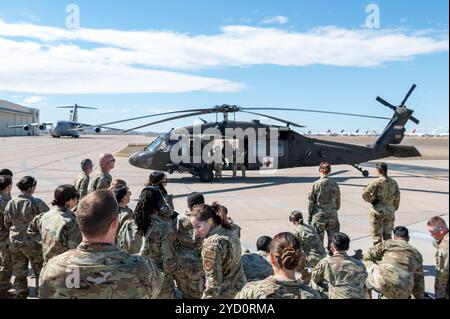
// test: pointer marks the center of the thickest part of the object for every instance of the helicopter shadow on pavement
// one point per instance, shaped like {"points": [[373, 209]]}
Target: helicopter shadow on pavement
{"points": [[258, 182]]}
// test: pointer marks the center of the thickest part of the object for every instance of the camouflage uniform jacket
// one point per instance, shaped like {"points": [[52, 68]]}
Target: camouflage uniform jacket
{"points": [[310, 245], [383, 194], [401, 267], [4, 232], [99, 180], [324, 196], [441, 282], [57, 230], [99, 271], [19, 213], [159, 245], [128, 238], [345, 276], [221, 257], [125, 214], [256, 267], [274, 288], [81, 184], [187, 245]]}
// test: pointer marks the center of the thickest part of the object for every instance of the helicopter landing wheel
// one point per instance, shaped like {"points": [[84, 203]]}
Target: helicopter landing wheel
{"points": [[364, 172], [206, 175]]}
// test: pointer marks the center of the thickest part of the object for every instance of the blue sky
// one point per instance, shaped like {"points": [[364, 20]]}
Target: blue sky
{"points": [[296, 53]]}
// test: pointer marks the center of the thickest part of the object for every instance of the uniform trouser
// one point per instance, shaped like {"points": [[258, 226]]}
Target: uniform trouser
{"points": [[218, 171], [168, 288], [382, 222], [190, 285], [241, 167], [326, 222], [5, 266], [21, 255], [391, 283]]}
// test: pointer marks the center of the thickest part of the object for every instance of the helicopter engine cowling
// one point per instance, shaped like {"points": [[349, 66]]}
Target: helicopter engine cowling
{"points": [[97, 129]]}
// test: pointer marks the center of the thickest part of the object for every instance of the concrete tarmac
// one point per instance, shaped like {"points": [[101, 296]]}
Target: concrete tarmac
{"points": [[261, 203]]}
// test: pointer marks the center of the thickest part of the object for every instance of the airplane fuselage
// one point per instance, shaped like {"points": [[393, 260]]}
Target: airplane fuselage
{"points": [[64, 128]]}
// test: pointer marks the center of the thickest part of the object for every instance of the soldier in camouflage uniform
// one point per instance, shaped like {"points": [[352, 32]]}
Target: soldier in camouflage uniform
{"points": [[101, 179], [57, 230], [256, 266], [82, 181], [263, 247], [221, 252], [158, 180], [439, 230], [324, 203], [97, 269], [158, 238], [19, 213], [285, 257], [395, 267], [384, 195], [189, 276], [310, 244], [340, 276], [5, 256], [122, 195], [218, 162]]}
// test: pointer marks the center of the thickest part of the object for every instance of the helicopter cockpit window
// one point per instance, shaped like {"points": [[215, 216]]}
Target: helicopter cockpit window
{"points": [[155, 144]]}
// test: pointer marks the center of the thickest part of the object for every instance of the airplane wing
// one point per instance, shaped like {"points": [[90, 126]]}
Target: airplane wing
{"points": [[31, 124]]}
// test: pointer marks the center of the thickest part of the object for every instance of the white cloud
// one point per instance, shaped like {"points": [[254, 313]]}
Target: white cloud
{"points": [[274, 20], [50, 60], [34, 100]]}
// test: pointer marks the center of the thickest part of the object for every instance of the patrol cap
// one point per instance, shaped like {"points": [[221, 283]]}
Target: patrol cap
{"points": [[85, 163]]}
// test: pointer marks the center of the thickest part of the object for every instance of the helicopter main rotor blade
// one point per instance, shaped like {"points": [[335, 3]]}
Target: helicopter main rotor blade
{"points": [[322, 112], [167, 120], [146, 116], [275, 118], [385, 103], [413, 87]]}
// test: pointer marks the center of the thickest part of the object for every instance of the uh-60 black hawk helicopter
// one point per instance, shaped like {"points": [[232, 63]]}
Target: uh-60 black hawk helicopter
{"points": [[293, 149]]}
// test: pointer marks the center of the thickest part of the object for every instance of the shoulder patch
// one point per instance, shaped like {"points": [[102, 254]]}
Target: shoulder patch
{"points": [[211, 254], [208, 265]]}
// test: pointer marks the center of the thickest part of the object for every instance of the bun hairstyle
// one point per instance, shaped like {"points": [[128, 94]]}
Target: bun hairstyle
{"points": [[26, 183], [156, 179], [63, 194], [120, 192], [296, 216], [382, 168], [147, 206], [5, 181], [285, 248], [216, 212]]}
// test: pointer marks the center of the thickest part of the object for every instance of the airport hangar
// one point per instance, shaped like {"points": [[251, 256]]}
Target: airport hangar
{"points": [[13, 114]]}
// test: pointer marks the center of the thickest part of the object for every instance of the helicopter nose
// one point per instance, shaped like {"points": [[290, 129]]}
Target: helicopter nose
{"points": [[138, 160]]}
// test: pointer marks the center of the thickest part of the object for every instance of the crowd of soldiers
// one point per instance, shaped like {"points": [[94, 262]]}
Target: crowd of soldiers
{"points": [[92, 245]]}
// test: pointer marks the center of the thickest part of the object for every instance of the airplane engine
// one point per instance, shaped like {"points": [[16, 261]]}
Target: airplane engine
{"points": [[97, 129], [80, 126], [42, 127], [27, 127]]}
